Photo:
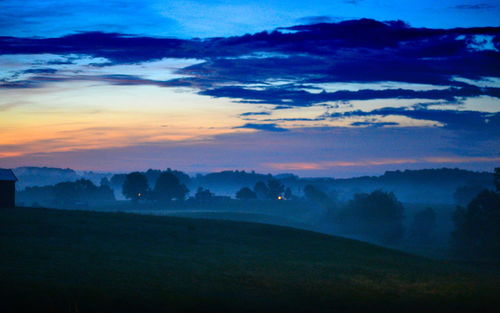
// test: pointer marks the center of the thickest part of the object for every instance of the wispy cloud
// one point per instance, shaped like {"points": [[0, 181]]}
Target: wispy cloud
{"points": [[295, 166], [476, 6], [316, 19], [459, 120], [266, 127]]}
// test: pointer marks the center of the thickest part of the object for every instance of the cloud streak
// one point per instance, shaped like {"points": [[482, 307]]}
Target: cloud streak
{"points": [[304, 166], [488, 123], [477, 6], [266, 127]]}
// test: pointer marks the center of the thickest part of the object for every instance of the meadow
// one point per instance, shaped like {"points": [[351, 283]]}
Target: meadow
{"points": [[78, 261]]}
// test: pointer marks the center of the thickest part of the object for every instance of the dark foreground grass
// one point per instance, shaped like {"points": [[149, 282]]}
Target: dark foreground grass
{"points": [[68, 261]]}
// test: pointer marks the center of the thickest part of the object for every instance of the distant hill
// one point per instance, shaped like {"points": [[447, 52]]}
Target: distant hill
{"points": [[415, 186], [68, 261], [228, 182], [433, 186]]}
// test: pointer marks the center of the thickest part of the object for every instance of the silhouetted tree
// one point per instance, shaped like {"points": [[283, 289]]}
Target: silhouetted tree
{"points": [[422, 226], [117, 180], [245, 193], [135, 186], [152, 176], [37, 195], [105, 192], [261, 190], [104, 181], [477, 227], [82, 190], [377, 216], [275, 188], [183, 177], [288, 194], [169, 187], [319, 197], [463, 195], [229, 178], [316, 195], [497, 178], [203, 194]]}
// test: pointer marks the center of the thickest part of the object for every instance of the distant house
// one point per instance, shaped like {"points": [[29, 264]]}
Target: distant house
{"points": [[7, 188]]}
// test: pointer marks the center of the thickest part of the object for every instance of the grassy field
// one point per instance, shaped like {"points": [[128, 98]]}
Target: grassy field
{"points": [[76, 261]]}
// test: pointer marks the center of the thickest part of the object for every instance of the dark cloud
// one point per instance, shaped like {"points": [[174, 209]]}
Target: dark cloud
{"points": [[113, 79], [283, 67], [321, 40], [255, 113], [297, 97], [59, 62], [266, 127], [316, 19], [489, 123], [40, 71], [120, 48], [350, 51], [374, 124], [18, 84], [477, 6]]}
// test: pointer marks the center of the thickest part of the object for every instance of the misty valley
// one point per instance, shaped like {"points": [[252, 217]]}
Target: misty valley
{"points": [[159, 241], [414, 211]]}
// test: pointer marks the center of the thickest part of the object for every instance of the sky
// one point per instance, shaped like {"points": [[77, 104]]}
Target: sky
{"points": [[323, 88]]}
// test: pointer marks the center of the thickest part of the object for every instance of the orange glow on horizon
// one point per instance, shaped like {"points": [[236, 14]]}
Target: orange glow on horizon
{"points": [[59, 119]]}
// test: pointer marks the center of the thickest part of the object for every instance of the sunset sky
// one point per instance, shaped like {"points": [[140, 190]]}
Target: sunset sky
{"points": [[317, 88]]}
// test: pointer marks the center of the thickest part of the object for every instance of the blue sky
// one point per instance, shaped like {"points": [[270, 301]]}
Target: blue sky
{"points": [[335, 88], [193, 18]]}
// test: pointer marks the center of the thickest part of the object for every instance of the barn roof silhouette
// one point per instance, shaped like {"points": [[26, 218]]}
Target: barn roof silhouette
{"points": [[7, 175]]}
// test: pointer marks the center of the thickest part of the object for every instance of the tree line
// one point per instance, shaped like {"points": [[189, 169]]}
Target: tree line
{"points": [[376, 216], [80, 192]]}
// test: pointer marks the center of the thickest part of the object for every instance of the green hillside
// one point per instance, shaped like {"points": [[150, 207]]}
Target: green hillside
{"points": [[69, 261]]}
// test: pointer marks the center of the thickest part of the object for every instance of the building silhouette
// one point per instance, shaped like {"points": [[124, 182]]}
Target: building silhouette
{"points": [[7, 188]]}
